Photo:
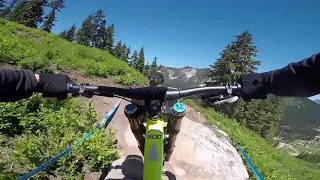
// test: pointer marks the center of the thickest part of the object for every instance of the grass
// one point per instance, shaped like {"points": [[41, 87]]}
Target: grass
{"points": [[310, 148], [37, 50], [272, 163]]}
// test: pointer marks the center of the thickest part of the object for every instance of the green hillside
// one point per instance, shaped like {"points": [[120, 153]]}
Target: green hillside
{"points": [[34, 130], [272, 163], [37, 50], [302, 117]]}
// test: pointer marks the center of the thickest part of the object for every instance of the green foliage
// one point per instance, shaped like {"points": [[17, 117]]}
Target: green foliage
{"points": [[310, 157], [99, 35], [49, 19], [121, 51], [2, 6], [110, 39], [63, 34], [154, 65], [125, 53], [127, 79], [140, 62], [235, 60], [6, 8], [302, 116], [57, 5], [28, 13], [51, 16], [99, 154], [70, 34], [42, 128], [146, 70], [37, 49], [86, 31], [269, 161], [261, 116], [36, 64], [118, 50], [134, 60]]}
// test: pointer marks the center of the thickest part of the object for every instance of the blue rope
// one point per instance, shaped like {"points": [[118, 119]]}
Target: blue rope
{"points": [[63, 153], [253, 168]]}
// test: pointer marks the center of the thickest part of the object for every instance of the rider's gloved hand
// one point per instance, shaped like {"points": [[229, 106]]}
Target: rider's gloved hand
{"points": [[253, 86], [54, 85]]}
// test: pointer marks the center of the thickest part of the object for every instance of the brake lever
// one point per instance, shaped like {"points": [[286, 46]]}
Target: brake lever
{"points": [[220, 99], [228, 100]]}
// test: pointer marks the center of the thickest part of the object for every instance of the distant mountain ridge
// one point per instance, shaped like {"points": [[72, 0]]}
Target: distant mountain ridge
{"points": [[184, 77]]}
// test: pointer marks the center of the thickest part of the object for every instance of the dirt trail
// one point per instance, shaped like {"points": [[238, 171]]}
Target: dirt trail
{"points": [[199, 152]]}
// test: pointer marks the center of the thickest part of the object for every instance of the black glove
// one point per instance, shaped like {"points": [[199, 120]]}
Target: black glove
{"points": [[252, 86], [54, 85]]}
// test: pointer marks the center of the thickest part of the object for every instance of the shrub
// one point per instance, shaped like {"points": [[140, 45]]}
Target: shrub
{"points": [[36, 64], [35, 129]]}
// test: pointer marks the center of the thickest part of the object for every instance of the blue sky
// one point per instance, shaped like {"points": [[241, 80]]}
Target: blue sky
{"points": [[193, 33]]}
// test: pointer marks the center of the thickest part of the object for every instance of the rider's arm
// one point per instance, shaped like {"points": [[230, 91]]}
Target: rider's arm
{"points": [[20, 84], [17, 84], [297, 79]]}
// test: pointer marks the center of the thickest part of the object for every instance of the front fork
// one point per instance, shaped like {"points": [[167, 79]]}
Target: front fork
{"points": [[151, 139]]}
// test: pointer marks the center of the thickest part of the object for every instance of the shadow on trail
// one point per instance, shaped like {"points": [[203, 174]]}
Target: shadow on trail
{"points": [[130, 169]]}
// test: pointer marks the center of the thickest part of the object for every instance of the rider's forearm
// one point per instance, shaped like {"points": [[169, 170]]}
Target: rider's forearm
{"points": [[17, 84], [297, 79]]}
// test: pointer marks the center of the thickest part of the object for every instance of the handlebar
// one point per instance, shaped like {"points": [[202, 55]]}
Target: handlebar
{"points": [[154, 93]]}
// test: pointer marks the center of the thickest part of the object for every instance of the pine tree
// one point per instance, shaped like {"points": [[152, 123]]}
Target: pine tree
{"points": [[221, 70], [28, 13], [100, 32], [70, 35], [146, 70], [160, 67], [235, 60], [86, 31], [48, 23], [118, 50], [154, 64], [2, 5], [63, 34], [51, 16], [124, 53], [260, 116], [140, 62], [134, 59], [6, 10], [110, 39], [128, 52], [2, 8]]}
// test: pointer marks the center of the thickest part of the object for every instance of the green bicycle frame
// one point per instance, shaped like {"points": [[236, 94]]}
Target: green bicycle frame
{"points": [[153, 151], [152, 139]]}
